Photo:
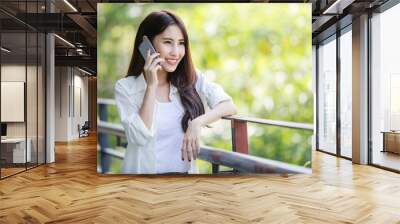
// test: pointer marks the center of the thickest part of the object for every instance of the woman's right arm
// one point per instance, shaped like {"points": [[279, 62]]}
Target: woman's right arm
{"points": [[137, 120], [136, 130], [150, 72], [147, 109]]}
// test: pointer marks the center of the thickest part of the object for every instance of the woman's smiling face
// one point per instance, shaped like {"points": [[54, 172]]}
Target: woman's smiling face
{"points": [[171, 46]]}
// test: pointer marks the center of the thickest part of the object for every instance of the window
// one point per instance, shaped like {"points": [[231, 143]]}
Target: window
{"points": [[327, 96], [346, 93], [385, 87]]}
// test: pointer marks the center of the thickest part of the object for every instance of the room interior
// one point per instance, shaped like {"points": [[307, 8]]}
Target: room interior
{"points": [[49, 90]]}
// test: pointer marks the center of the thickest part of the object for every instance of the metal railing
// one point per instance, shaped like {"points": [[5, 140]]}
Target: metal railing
{"points": [[238, 159]]}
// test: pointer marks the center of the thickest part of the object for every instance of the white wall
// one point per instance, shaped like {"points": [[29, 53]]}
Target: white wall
{"points": [[61, 103], [71, 94]]}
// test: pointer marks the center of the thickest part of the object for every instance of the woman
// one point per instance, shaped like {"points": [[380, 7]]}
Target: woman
{"points": [[161, 101]]}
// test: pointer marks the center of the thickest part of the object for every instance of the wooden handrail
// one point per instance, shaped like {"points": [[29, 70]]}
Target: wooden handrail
{"points": [[247, 163], [110, 128], [285, 124], [113, 152], [106, 101]]}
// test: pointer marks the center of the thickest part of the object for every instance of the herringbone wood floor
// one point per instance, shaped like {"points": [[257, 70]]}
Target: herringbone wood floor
{"points": [[70, 191]]}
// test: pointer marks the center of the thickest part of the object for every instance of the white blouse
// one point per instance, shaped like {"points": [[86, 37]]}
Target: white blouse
{"points": [[169, 138], [140, 156]]}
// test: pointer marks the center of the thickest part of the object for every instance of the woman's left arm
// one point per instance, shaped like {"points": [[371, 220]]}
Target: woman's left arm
{"points": [[191, 144], [220, 103], [224, 108]]}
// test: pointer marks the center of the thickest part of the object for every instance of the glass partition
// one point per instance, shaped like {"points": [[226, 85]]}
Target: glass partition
{"points": [[22, 90], [14, 152]]}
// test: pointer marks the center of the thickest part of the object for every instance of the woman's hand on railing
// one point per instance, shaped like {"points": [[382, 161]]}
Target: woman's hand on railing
{"points": [[191, 144]]}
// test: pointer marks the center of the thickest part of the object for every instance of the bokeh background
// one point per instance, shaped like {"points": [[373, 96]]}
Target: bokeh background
{"points": [[259, 53]]}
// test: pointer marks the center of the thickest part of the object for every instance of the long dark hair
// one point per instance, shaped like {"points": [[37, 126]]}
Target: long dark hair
{"points": [[184, 77]]}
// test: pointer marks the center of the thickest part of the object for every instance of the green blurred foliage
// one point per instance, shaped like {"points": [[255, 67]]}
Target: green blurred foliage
{"points": [[259, 53]]}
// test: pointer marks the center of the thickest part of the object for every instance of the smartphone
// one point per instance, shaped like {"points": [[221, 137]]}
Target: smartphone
{"points": [[145, 46]]}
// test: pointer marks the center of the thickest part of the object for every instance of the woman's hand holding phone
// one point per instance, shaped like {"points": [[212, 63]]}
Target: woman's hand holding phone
{"points": [[151, 66]]}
